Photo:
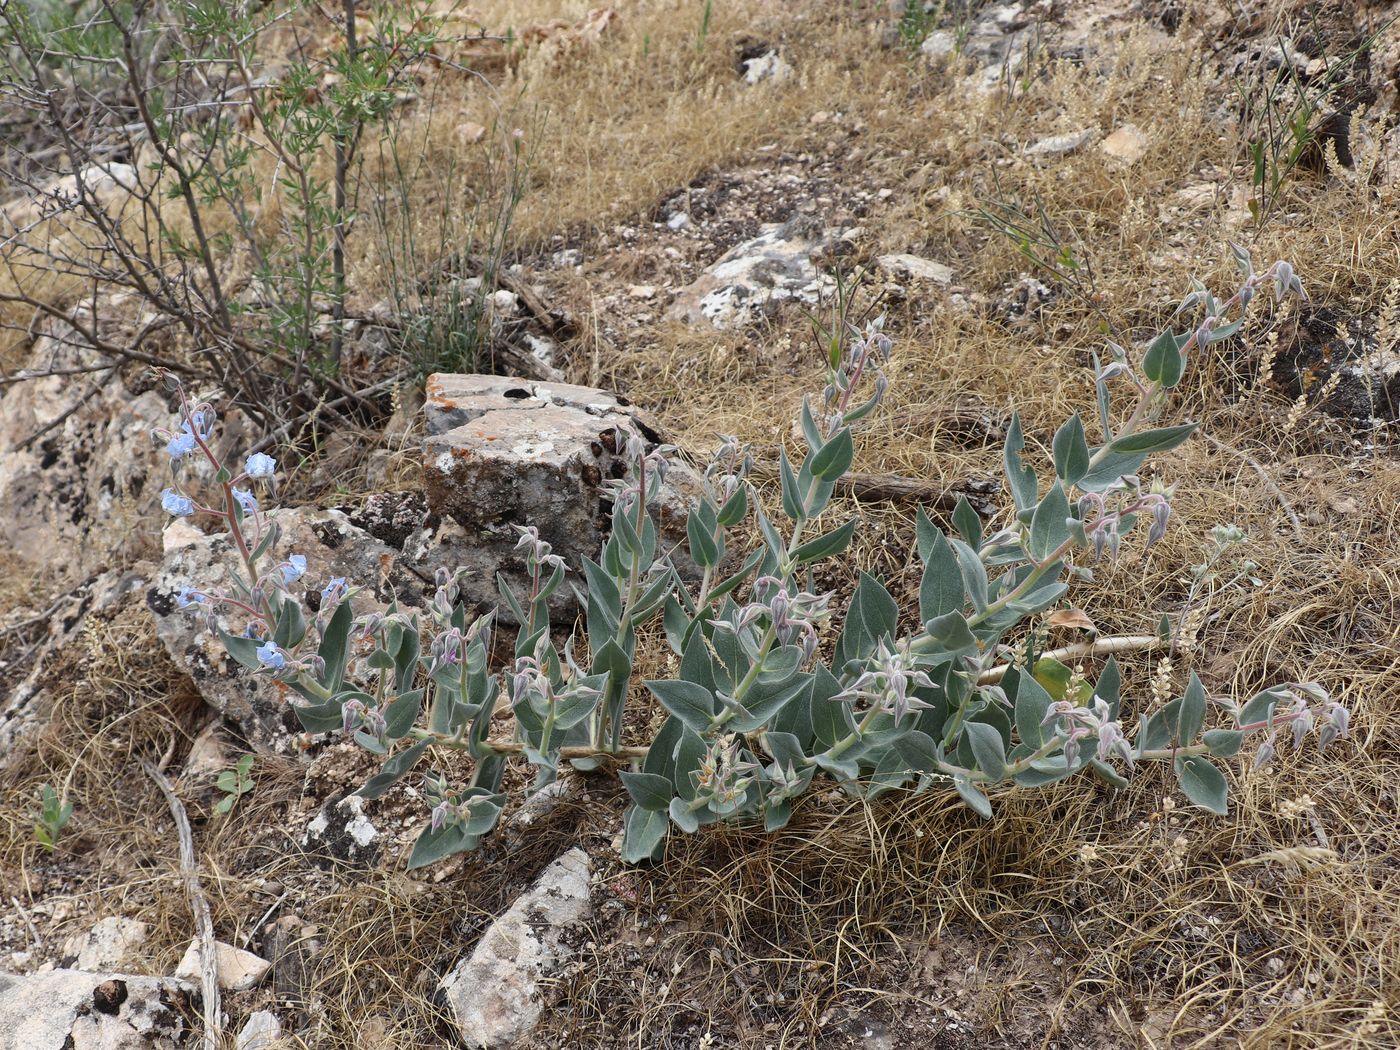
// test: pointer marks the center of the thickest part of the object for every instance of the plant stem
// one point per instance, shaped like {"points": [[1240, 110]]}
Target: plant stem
{"points": [[342, 165], [1130, 643], [517, 747]]}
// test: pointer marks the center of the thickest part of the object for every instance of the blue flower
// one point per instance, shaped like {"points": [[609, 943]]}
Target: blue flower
{"points": [[176, 504], [181, 445], [260, 465], [295, 569], [246, 501], [202, 419], [269, 655], [189, 596], [334, 589]]}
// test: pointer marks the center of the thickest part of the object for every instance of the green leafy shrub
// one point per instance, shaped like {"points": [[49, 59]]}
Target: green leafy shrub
{"points": [[757, 710], [235, 181]]}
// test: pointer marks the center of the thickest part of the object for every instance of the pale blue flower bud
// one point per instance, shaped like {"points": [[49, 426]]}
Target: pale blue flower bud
{"points": [[294, 569], [181, 445], [270, 655], [176, 504], [260, 465], [188, 597], [246, 500]]}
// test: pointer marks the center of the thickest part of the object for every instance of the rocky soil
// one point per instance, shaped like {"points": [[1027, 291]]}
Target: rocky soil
{"points": [[305, 878]]}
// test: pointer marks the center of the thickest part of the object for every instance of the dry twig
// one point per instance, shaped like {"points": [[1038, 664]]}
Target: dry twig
{"points": [[203, 922]]}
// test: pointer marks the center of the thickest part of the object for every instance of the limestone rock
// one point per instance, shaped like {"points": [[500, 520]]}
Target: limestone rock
{"points": [[81, 1010], [25, 706], [767, 66], [496, 993], [108, 188], [81, 495], [504, 452], [920, 269], [1060, 145], [260, 1032], [342, 831], [109, 945], [238, 970], [1127, 144], [996, 41], [332, 546], [751, 279], [544, 802]]}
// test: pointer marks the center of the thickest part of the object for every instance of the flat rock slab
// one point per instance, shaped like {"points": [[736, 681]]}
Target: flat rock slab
{"points": [[495, 993], [83, 1010], [1060, 145], [903, 265], [111, 944], [753, 278]]}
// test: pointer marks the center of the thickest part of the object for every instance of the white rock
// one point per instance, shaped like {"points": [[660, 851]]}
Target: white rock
{"points": [[1127, 144], [260, 1032], [750, 279], [542, 348], [109, 945], [180, 534], [62, 495], [545, 801], [996, 41], [939, 44], [238, 970], [1060, 145], [769, 66], [500, 451], [343, 831], [495, 993], [211, 753], [78, 1010], [903, 265]]}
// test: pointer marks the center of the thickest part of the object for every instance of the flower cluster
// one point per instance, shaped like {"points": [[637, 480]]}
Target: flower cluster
{"points": [[865, 353], [794, 618], [1295, 708], [646, 470], [722, 778], [888, 681], [1103, 524], [1074, 723], [259, 593], [539, 555], [729, 468]]}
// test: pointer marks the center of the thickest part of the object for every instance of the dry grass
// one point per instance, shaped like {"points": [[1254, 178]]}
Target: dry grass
{"points": [[1076, 916]]}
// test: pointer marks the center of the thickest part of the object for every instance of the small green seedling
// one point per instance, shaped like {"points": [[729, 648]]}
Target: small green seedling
{"points": [[235, 783], [53, 815]]}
